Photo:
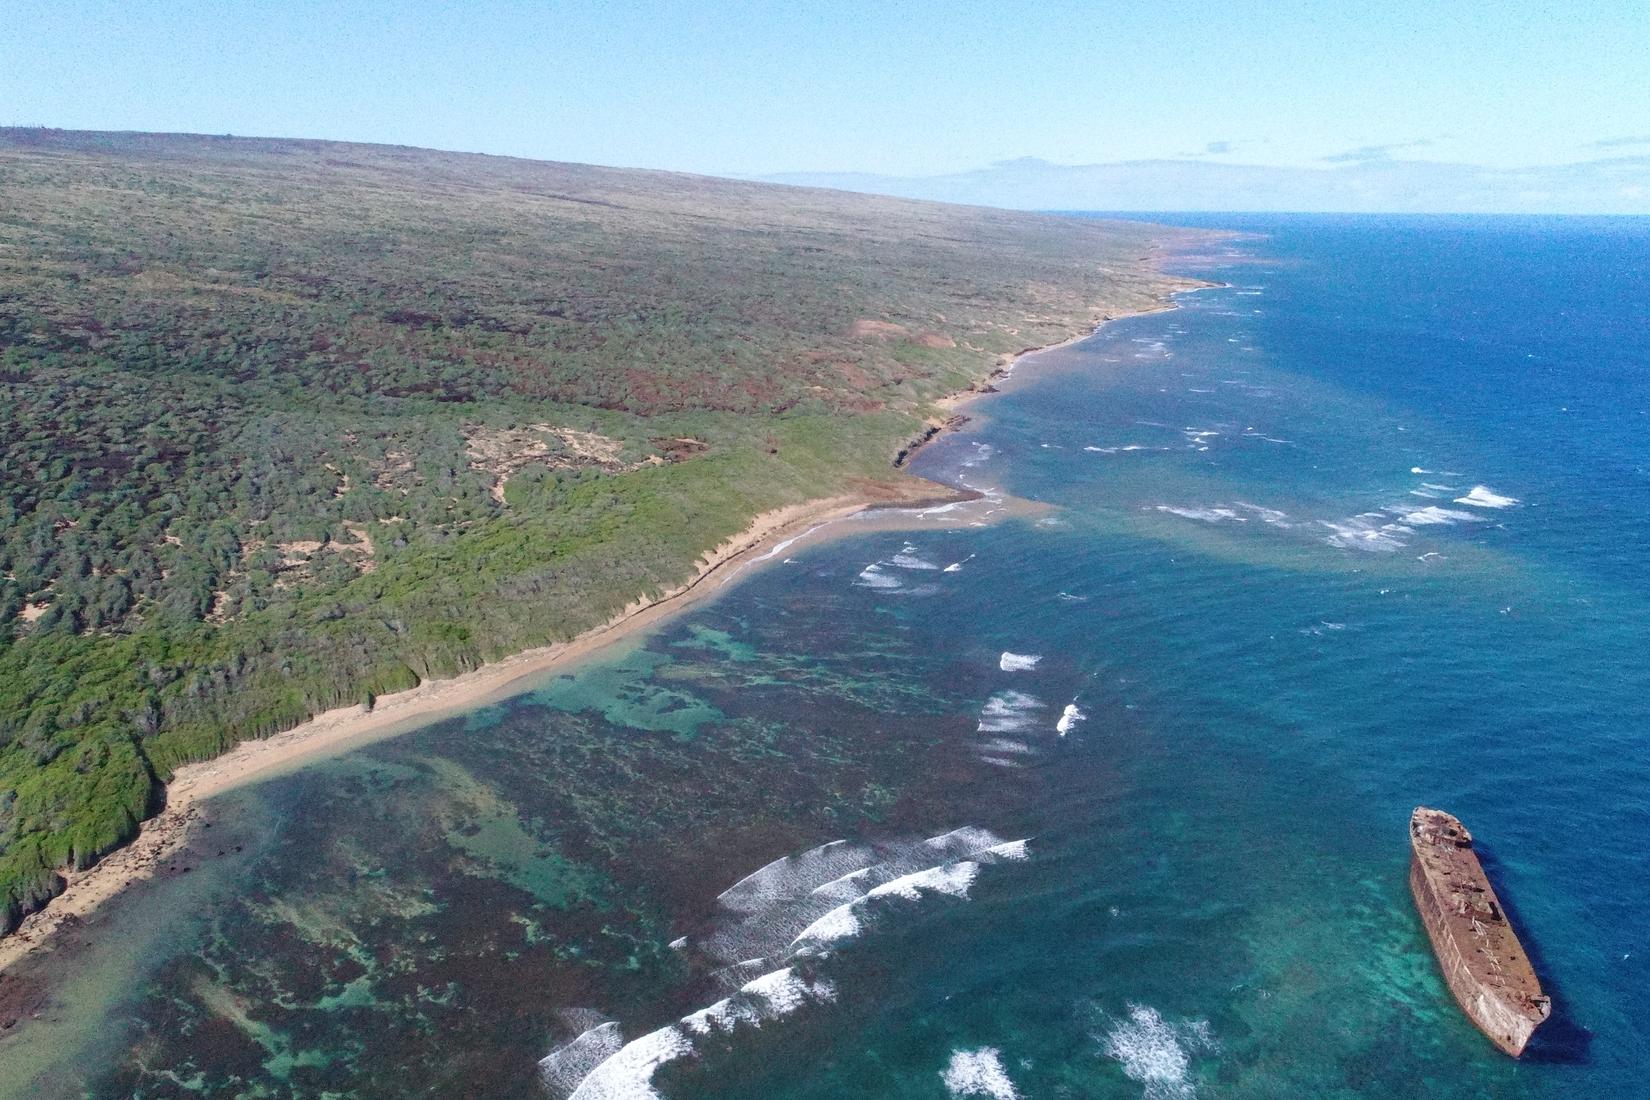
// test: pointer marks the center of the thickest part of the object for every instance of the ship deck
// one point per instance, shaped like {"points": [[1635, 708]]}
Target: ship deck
{"points": [[1483, 961]]}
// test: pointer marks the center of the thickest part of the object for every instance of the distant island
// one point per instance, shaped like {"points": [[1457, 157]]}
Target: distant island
{"points": [[292, 425]]}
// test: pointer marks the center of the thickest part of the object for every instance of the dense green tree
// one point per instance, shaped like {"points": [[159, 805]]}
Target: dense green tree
{"points": [[290, 425]]}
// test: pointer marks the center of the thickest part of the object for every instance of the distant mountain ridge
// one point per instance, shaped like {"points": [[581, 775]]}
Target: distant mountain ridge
{"points": [[1619, 185]]}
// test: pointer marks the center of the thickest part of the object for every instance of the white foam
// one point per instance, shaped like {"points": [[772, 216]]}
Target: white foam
{"points": [[769, 912], [954, 879], [1008, 712], [1266, 515], [565, 1067], [768, 997], [1482, 496], [1207, 515], [1018, 662], [908, 560], [627, 1074], [962, 841], [841, 923], [1433, 515], [785, 991], [1362, 532], [1015, 851], [872, 576], [847, 921], [978, 1073], [848, 887], [1069, 719], [785, 544], [1157, 1053], [1004, 746], [1125, 448], [793, 876]]}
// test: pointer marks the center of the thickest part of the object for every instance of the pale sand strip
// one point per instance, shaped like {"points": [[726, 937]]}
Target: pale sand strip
{"points": [[163, 836]]}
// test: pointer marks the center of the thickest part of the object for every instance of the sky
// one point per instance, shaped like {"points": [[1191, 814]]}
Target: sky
{"points": [[899, 89]]}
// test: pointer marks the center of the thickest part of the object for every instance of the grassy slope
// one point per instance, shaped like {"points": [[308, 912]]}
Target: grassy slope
{"points": [[264, 398]]}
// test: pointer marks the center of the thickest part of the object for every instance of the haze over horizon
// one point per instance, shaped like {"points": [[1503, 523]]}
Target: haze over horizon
{"points": [[1511, 107]]}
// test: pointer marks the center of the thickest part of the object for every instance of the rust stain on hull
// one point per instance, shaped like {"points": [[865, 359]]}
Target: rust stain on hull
{"points": [[1483, 963]]}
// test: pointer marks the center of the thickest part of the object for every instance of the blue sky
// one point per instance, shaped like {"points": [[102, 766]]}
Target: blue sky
{"points": [[910, 89]]}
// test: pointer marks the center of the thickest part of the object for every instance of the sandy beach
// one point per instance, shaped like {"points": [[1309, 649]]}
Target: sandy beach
{"points": [[164, 836]]}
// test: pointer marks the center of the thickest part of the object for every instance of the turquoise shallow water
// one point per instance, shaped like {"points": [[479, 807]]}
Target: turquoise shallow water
{"points": [[1363, 530]]}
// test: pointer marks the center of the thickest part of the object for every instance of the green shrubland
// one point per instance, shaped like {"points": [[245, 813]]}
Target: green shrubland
{"points": [[290, 425]]}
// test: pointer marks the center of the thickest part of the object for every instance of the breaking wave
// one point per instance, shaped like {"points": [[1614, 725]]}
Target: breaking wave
{"points": [[565, 1067], [1157, 1053], [848, 919], [1482, 496], [1432, 514], [1266, 515], [978, 1073], [907, 559], [1366, 532], [1069, 719], [1207, 515], [1006, 746], [1009, 712], [872, 576], [1018, 662], [769, 910], [792, 876], [1014, 851], [627, 1074], [792, 910]]}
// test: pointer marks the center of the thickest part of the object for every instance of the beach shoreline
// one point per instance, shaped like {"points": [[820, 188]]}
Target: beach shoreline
{"points": [[166, 835]]}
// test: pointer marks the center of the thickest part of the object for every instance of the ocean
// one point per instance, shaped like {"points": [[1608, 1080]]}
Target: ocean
{"points": [[1106, 798]]}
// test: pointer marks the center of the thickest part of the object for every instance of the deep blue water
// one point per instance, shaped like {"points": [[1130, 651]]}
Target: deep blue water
{"points": [[1381, 540], [1367, 528]]}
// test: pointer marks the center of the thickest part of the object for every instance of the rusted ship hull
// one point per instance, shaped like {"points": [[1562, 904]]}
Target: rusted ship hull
{"points": [[1483, 963]]}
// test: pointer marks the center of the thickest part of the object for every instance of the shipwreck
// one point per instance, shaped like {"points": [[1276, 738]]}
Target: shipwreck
{"points": [[1484, 965]]}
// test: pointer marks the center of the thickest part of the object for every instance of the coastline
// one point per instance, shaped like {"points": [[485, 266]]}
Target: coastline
{"points": [[164, 836], [1006, 365]]}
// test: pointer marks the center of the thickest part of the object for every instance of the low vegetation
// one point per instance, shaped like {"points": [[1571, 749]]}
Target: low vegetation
{"points": [[289, 425]]}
